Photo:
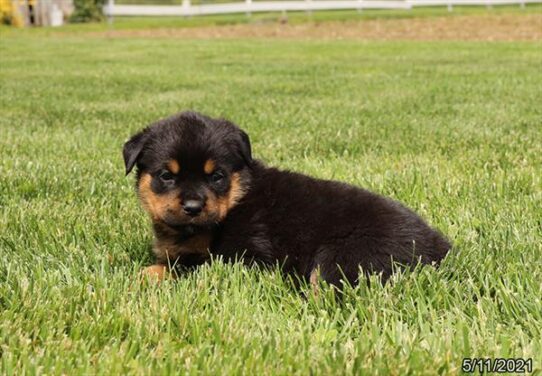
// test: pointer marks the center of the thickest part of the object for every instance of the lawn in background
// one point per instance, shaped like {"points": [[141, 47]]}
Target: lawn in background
{"points": [[452, 129]]}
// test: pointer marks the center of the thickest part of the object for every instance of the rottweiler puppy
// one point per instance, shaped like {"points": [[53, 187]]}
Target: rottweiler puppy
{"points": [[206, 196]]}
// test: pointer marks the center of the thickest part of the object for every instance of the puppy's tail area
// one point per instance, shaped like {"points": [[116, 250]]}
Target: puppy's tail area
{"points": [[441, 247]]}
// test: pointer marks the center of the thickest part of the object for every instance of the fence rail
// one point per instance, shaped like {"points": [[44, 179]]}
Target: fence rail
{"points": [[248, 6]]}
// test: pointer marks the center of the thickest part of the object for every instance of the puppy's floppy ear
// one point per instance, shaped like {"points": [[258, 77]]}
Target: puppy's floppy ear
{"points": [[244, 147], [132, 149]]}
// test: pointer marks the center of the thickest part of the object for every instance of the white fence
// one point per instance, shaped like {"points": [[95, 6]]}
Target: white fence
{"points": [[248, 6]]}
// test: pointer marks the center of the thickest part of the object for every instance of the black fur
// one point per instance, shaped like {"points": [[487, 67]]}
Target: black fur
{"points": [[284, 217]]}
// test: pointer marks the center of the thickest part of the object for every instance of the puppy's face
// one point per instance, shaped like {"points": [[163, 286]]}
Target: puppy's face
{"points": [[191, 169]]}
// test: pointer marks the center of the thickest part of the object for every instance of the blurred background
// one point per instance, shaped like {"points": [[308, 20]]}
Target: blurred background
{"points": [[24, 13]]}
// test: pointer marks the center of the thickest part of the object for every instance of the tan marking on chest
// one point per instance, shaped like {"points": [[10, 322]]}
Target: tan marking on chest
{"points": [[168, 250]]}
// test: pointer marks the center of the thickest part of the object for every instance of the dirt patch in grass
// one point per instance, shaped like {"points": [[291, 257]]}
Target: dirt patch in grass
{"points": [[511, 27]]}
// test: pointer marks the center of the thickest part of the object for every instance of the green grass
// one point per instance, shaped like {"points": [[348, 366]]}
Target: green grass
{"points": [[452, 129]]}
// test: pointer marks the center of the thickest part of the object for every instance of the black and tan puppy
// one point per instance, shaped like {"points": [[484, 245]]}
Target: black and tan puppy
{"points": [[206, 195]]}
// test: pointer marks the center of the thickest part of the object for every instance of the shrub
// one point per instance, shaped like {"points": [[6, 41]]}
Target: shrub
{"points": [[87, 10]]}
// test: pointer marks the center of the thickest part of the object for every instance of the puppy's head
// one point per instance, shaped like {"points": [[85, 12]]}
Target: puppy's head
{"points": [[191, 169]]}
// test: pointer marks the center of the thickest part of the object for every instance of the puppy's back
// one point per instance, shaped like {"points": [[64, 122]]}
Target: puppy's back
{"points": [[313, 223]]}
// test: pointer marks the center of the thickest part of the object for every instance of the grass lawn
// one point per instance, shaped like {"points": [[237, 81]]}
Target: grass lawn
{"points": [[452, 129]]}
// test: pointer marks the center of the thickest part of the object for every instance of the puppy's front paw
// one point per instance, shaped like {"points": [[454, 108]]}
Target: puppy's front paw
{"points": [[155, 273]]}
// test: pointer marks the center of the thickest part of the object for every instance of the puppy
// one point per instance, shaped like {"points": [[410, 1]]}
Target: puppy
{"points": [[206, 196]]}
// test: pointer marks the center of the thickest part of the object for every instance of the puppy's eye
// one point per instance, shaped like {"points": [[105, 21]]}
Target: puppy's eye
{"points": [[217, 177], [166, 176]]}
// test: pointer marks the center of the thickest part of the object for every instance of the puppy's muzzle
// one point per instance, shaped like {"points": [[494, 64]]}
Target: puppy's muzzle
{"points": [[193, 207]]}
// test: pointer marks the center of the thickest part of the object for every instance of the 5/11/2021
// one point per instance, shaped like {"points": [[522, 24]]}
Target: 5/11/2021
{"points": [[497, 365]]}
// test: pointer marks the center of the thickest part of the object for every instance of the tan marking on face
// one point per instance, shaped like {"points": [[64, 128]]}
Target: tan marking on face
{"points": [[209, 166], [222, 205], [168, 250], [157, 205], [173, 166]]}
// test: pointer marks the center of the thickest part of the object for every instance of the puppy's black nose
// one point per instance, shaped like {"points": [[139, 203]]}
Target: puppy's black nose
{"points": [[192, 207]]}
